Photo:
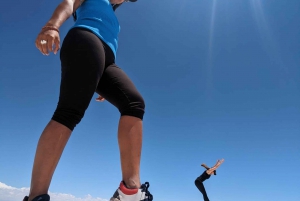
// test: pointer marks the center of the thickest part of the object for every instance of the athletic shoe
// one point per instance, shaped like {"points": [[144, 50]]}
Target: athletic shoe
{"points": [[138, 194], [44, 197]]}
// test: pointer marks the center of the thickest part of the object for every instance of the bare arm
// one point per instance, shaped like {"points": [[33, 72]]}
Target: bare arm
{"points": [[207, 168], [211, 170], [63, 11]]}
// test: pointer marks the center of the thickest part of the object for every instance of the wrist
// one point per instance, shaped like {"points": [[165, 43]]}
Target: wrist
{"points": [[50, 27], [53, 23]]}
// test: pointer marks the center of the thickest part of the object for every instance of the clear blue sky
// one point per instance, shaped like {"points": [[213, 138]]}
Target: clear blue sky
{"points": [[221, 79]]}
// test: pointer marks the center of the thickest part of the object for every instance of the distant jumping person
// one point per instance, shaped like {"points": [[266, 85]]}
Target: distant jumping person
{"points": [[206, 175], [88, 65]]}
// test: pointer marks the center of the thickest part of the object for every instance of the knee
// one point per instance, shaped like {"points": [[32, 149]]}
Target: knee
{"points": [[198, 184], [68, 117], [135, 107], [198, 181]]}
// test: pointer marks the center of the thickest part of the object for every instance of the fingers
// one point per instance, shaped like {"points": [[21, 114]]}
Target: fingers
{"points": [[42, 45], [221, 161], [57, 45], [45, 47], [39, 44], [49, 45]]}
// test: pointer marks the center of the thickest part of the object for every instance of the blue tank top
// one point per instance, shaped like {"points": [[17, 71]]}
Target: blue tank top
{"points": [[98, 16]]}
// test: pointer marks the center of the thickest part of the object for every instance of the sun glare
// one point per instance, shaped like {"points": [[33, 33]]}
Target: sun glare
{"points": [[209, 83], [268, 41]]}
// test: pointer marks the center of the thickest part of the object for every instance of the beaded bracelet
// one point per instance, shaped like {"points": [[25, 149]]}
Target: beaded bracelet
{"points": [[46, 28]]}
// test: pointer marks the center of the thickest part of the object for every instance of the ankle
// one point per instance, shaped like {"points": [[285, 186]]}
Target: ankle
{"points": [[41, 196], [31, 197], [131, 183]]}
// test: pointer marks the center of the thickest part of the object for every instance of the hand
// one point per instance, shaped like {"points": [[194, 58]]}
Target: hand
{"points": [[46, 40], [219, 162], [100, 99]]}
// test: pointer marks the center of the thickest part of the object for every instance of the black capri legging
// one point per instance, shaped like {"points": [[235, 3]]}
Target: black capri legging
{"points": [[199, 184], [88, 66]]}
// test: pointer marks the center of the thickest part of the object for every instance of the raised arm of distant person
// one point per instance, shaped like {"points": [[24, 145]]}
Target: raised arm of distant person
{"points": [[214, 168]]}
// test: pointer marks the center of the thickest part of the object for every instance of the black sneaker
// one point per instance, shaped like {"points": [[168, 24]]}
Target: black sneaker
{"points": [[44, 197]]}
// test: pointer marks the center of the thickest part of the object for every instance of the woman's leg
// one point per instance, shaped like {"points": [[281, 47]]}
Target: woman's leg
{"points": [[201, 188], [82, 58], [130, 144], [118, 89], [199, 183], [48, 153]]}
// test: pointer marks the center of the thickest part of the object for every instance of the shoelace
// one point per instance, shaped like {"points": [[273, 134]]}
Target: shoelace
{"points": [[147, 193]]}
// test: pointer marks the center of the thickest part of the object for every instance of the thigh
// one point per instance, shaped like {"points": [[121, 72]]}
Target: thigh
{"points": [[199, 185], [117, 88], [83, 61]]}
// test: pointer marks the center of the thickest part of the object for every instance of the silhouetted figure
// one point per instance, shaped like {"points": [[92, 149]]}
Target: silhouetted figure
{"points": [[206, 175]]}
